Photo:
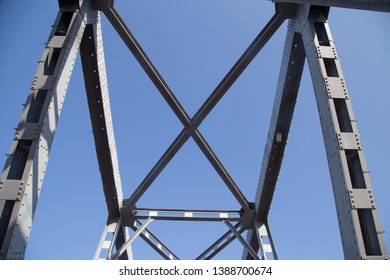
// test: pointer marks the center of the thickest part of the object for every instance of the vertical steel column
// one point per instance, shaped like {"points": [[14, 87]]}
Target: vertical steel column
{"points": [[361, 233], [283, 109], [25, 167], [94, 70], [265, 241], [107, 240]]}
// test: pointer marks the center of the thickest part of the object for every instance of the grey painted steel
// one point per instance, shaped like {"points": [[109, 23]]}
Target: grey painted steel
{"points": [[308, 35], [220, 244], [360, 229], [25, 167], [39, 120], [246, 245], [128, 242], [187, 215], [373, 5], [155, 243], [108, 240], [92, 57], [94, 70], [283, 109], [112, 244], [266, 244], [190, 124]]}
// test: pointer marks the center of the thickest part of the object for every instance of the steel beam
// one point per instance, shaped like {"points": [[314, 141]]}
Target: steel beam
{"points": [[220, 244], [142, 58], [128, 242], [191, 125], [265, 241], [155, 243], [360, 229], [108, 240], [25, 167], [246, 245], [78, 26], [238, 68], [186, 214], [92, 59], [184, 135], [178, 109], [359, 225], [372, 5], [180, 112], [283, 109]]}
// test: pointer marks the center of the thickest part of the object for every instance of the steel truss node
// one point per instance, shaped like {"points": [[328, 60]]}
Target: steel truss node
{"points": [[77, 28]]}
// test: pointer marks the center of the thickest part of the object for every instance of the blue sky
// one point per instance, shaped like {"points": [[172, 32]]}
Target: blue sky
{"points": [[194, 44]]}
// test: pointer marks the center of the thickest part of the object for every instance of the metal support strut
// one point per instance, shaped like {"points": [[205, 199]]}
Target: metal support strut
{"points": [[77, 27], [25, 167], [360, 229]]}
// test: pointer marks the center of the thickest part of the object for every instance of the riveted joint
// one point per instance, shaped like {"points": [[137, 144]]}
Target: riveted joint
{"points": [[248, 217]]}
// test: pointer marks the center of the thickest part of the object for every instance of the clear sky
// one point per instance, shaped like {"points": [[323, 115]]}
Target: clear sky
{"points": [[194, 44]]}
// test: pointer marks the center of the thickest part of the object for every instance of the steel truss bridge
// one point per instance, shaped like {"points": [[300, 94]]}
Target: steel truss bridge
{"points": [[77, 29]]}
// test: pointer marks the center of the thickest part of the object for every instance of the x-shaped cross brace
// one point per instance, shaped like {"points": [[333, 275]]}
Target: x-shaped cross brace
{"points": [[190, 124]]}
